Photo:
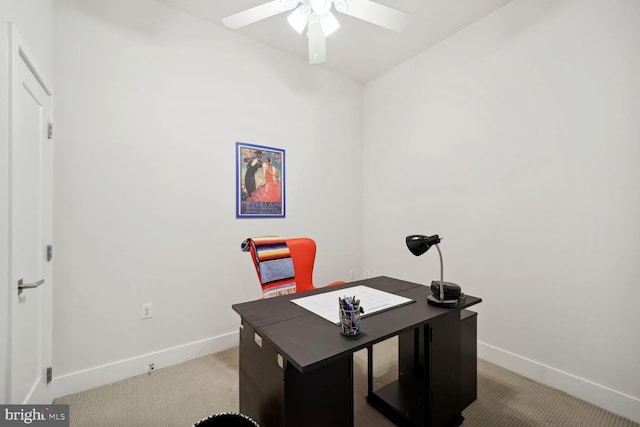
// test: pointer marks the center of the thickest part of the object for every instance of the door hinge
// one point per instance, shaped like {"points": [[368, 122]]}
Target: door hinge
{"points": [[49, 252], [49, 374], [50, 131]]}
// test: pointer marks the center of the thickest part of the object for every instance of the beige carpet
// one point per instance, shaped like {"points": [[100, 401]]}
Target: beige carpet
{"points": [[183, 394]]}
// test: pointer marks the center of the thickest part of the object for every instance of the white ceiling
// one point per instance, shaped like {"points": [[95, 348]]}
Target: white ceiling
{"points": [[358, 50]]}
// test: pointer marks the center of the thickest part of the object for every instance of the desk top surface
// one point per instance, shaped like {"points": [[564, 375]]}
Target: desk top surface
{"points": [[307, 340]]}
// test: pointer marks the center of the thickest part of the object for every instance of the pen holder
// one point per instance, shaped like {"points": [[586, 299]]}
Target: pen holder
{"points": [[349, 318]]}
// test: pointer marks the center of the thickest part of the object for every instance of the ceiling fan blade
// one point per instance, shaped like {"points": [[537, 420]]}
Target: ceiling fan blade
{"points": [[254, 14], [378, 14], [317, 43]]}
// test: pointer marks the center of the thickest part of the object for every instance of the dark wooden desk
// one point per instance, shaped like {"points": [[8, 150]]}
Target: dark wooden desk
{"points": [[296, 369]]}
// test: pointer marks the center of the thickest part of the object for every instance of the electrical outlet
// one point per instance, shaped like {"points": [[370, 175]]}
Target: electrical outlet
{"points": [[352, 275], [367, 273], [152, 367], [147, 310]]}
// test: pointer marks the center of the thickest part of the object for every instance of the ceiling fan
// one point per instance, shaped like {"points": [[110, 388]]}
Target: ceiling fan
{"points": [[316, 17]]}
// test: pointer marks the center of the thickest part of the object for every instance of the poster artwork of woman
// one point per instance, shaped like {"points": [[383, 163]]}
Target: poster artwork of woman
{"points": [[271, 190]]}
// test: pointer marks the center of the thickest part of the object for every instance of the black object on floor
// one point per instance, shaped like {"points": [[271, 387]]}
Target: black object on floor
{"points": [[227, 419]]}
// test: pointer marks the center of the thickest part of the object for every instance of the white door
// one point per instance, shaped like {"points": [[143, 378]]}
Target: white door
{"points": [[30, 233]]}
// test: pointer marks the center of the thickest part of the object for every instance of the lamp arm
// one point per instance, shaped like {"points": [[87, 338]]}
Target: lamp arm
{"points": [[441, 274]]}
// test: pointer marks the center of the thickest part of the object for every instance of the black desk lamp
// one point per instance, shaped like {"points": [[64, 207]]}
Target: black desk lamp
{"points": [[443, 294]]}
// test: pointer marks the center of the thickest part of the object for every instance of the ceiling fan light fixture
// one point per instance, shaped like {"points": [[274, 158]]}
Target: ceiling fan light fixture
{"points": [[329, 23], [290, 4], [298, 18], [315, 16], [341, 5], [320, 7]]}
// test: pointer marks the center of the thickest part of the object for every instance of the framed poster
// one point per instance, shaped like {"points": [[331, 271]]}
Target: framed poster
{"points": [[260, 179]]}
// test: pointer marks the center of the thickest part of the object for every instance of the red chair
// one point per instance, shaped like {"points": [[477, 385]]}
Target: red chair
{"points": [[303, 255]]}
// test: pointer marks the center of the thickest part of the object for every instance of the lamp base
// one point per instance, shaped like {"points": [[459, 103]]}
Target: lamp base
{"points": [[451, 290], [447, 303]]}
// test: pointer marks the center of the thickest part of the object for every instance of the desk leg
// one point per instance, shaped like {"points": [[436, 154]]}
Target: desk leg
{"points": [[322, 397], [428, 389], [369, 370], [445, 370], [261, 381], [282, 396], [404, 401], [469, 338]]}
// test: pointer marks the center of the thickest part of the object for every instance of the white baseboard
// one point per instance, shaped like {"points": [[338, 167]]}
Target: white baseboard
{"points": [[76, 382], [596, 394]]}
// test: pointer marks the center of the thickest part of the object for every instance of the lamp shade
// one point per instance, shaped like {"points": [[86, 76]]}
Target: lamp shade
{"points": [[419, 244], [443, 294]]}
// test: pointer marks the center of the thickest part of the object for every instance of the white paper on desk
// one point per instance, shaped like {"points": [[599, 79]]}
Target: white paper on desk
{"points": [[371, 300]]}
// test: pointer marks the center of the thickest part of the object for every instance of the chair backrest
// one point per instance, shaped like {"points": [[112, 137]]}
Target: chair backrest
{"points": [[303, 256]]}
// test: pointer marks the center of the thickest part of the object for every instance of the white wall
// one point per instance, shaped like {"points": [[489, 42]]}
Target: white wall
{"points": [[517, 140], [150, 103], [34, 20]]}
